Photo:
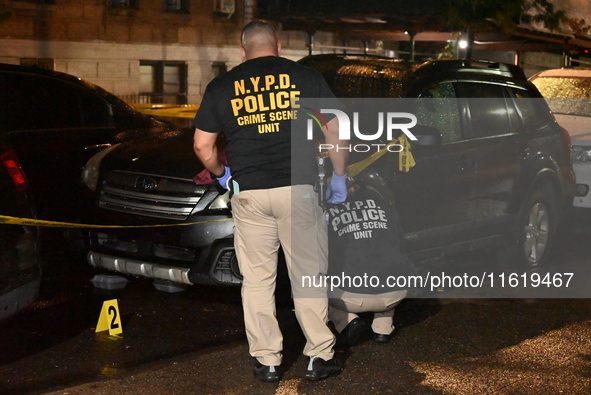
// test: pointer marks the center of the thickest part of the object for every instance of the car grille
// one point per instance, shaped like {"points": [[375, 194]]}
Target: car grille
{"points": [[150, 195]]}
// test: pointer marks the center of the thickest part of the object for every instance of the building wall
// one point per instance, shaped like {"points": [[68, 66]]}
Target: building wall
{"points": [[103, 45], [535, 62], [91, 20]]}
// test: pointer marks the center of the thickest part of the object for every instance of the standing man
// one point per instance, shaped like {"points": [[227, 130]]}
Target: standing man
{"points": [[273, 205]]}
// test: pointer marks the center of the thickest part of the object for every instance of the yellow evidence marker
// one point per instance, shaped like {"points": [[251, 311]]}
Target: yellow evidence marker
{"points": [[110, 318]]}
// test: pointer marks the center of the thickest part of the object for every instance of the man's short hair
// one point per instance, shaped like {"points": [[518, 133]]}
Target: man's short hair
{"points": [[258, 26]]}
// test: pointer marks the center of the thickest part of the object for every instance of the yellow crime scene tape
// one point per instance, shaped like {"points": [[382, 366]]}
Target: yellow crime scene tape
{"points": [[405, 158], [405, 162], [8, 220]]}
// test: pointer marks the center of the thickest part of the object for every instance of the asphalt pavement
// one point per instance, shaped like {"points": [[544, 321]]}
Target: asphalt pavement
{"points": [[453, 346]]}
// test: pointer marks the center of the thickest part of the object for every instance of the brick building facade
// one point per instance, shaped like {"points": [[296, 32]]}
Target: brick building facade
{"points": [[168, 50], [161, 50]]}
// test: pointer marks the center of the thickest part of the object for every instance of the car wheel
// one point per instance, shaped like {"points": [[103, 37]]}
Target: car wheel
{"points": [[76, 246], [537, 224]]}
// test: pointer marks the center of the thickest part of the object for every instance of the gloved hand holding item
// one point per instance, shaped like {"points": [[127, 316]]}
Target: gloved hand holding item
{"points": [[225, 178], [337, 189]]}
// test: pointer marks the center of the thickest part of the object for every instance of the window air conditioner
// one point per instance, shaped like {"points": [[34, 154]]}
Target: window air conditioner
{"points": [[224, 7]]}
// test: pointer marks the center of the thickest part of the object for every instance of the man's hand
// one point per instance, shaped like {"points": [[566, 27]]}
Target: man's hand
{"points": [[225, 178], [337, 189]]}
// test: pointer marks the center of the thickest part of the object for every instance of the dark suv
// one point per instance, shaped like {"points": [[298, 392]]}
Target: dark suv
{"points": [[493, 169]]}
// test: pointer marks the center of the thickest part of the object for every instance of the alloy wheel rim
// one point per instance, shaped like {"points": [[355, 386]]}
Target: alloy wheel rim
{"points": [[536, 233]]}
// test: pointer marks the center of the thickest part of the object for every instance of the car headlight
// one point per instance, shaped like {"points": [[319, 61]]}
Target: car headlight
{"points": [[581, 153], [221, 202], [90, 173]]}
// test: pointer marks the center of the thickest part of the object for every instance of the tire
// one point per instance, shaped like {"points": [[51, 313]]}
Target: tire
{"points": [[75, 244], [536, 229]]}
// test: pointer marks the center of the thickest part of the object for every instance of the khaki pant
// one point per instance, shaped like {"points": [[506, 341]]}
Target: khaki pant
{"points": [[264, 220], [344, 305]]}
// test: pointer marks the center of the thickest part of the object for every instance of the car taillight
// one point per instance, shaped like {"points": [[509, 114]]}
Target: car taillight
{"points": [[11, 163]]}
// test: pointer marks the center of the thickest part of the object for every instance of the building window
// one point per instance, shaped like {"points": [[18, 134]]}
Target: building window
{"points": [[219, 68], [46, 63], [36, 1], [163, 82], [176, 5], [124, 3]]}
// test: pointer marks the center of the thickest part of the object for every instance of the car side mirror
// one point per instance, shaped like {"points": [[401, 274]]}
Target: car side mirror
{"points": [[426, 135]]}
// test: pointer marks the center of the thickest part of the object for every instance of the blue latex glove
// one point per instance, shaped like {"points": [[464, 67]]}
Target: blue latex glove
{"points": [[337, 189], [224, 180]]}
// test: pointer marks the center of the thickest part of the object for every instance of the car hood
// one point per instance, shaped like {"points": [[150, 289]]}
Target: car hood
{"points": [[166, 154], [578, 127]]}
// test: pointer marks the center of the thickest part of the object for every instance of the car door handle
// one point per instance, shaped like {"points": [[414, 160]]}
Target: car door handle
{"points": [[96, 146], [466, 162]]}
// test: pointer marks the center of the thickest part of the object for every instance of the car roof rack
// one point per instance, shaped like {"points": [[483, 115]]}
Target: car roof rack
{"points": [[349, 56], [474, 66]]}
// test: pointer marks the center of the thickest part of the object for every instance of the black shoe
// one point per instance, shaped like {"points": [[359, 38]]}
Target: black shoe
{"points": [[319, 369], [268, 374], [354, 333], [380, 338]]}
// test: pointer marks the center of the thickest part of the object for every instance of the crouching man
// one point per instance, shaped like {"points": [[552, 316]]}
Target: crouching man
{"points": [[366, 256]]}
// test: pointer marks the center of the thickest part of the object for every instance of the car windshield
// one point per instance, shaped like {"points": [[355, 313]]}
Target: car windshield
{"points": [[566, 95]]}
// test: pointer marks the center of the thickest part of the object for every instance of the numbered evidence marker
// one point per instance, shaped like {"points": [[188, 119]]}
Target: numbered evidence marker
{"points": [[109, 319]]}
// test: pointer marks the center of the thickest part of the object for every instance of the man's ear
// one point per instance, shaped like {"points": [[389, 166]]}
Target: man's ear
{"points": [[242, 54], [278, 48]]}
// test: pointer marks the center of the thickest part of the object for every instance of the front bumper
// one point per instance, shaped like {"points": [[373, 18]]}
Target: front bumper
{"points": [[201, 253], [221, 267], [138, 268]]}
